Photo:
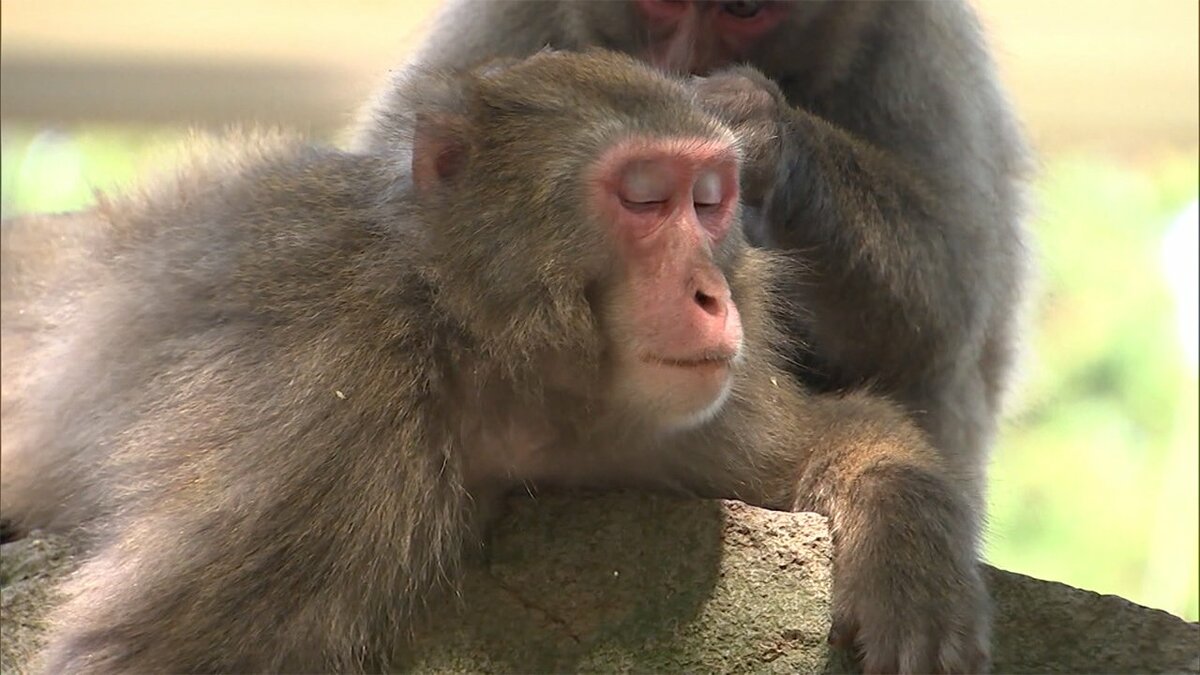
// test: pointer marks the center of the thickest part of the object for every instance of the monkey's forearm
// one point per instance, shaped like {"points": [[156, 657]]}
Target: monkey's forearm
{"points": [[859, 460], [904, 537], [830, 443], [841, 441], [888, 284]]}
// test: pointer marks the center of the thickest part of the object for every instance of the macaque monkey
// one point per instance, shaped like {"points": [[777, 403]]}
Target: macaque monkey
{"points": [[891, 166], [293, 383]]}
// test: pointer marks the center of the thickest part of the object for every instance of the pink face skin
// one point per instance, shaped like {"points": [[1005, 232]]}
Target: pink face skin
{"points": [[669, 203], [696, 37]]}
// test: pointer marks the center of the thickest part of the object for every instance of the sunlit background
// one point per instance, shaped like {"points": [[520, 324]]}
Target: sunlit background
{"points": [[1095, 477]]}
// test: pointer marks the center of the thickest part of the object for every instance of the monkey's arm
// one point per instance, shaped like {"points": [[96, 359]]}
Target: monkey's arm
{"points": [[906, 586], [897, 272]]}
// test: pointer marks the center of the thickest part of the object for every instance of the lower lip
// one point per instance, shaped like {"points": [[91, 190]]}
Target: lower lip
{"points": [[696, 366]]}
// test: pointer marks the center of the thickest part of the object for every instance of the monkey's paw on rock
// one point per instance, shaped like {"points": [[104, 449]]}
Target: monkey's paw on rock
{"points": [[647, 584]]}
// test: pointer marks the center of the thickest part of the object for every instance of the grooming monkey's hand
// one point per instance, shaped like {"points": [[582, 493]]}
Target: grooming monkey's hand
{"points": [[907, 594], [755, 109]]}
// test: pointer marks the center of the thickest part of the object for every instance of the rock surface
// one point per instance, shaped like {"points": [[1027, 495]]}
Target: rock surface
{"points": [[29, 568], [649, 584]]}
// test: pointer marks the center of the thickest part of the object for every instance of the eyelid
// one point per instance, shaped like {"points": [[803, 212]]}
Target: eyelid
{"points": [[708, 189]]}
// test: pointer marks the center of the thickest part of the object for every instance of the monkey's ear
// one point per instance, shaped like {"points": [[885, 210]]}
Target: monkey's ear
{"points": [[440, 150]]}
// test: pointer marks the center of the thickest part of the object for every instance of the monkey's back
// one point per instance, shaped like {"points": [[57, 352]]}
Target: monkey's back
{"points": [[212, 306]]}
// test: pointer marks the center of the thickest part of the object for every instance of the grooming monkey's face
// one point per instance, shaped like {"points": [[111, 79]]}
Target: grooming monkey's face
{"points": [[686, 36]]}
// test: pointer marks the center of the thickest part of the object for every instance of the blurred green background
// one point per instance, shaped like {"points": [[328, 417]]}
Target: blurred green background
{"points": [[1094, 480]]}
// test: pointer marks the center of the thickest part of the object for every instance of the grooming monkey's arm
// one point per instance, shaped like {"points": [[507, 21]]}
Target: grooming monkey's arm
{"points": [[865, 224], [870, 229]]}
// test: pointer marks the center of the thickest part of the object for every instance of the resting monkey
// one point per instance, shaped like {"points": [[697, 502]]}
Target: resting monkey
{"points": [[292, 383], [898, 181]]}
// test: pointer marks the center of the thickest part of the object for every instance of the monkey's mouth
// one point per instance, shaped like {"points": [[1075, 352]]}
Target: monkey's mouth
{"points": [[714, 360]]}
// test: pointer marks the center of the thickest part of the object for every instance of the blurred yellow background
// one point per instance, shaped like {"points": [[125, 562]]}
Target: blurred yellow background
{"points": [[1095, 476]]}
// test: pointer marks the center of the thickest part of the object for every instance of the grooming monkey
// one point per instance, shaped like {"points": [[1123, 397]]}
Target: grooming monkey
{"points": [[890, 164], [293, 383]]}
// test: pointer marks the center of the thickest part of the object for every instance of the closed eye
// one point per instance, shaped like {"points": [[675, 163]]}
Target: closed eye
{"points": [[644, 206]]}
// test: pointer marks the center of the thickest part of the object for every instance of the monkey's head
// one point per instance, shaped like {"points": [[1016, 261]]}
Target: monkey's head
{"points": [[582, 207]]}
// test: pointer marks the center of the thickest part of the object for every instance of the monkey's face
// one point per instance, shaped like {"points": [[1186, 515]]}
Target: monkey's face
{"points": [[682, 36], [674, 330], [587, 206]]}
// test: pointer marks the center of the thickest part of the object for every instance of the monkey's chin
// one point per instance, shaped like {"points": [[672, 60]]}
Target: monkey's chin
{"points": [[705, 415], [684, 395]]}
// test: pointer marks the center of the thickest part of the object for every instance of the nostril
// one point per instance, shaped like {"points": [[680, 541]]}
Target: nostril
{"points": [[708, 303]]}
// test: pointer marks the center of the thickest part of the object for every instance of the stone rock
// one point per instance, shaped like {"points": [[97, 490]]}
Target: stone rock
{"points": [[643, 584], [29, 571], [1048, 627], [640, 583]]}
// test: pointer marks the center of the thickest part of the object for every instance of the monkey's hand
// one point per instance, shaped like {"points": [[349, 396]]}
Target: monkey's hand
{"points": [[754, 108], [907, 592]]}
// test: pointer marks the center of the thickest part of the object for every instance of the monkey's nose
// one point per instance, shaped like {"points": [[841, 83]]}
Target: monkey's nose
{"points": [[663, 10], [714, 322], [711, 296], [711, 305]]}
